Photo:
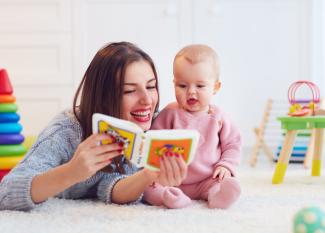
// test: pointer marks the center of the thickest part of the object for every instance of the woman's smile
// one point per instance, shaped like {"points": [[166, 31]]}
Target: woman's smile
{"points": [[141, 115]]}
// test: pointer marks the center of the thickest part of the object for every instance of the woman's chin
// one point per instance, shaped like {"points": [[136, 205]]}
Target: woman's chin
{"points": [[145, 126], [143, 123]]}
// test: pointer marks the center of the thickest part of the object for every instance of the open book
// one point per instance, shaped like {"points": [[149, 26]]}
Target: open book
{"points": [[145, 148]]}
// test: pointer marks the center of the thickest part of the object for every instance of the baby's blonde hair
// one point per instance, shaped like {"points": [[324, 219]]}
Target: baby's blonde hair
{"points": [[196, 53]]}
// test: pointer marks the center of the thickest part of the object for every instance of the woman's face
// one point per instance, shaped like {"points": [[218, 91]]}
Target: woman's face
{"points": [[140, 94]]}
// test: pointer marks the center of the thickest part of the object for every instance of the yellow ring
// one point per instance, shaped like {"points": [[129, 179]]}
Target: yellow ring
{"points": [[9, 162]]}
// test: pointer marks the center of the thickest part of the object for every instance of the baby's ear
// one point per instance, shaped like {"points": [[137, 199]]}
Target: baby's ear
{"points": [[217, 86]]}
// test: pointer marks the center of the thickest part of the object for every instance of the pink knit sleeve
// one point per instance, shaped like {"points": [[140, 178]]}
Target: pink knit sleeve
{"points": [[230, 145], [164, 120]]}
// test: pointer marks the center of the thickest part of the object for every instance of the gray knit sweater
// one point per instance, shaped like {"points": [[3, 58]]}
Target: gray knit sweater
{"points": [[55, 146]]}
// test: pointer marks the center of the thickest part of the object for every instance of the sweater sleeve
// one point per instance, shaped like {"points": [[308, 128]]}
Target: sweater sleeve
{"points": [[109, 180], [15, 188], [230, 145], [164, 120]]}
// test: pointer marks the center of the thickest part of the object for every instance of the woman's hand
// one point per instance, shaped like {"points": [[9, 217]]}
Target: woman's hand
{"points": [[173, 171], [90, 156]]}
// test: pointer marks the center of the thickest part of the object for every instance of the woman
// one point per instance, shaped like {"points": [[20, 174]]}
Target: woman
{"points": [[67, 161]]}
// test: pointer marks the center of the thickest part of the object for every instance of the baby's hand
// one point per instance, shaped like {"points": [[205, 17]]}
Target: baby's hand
{"points": [[220, 173]]}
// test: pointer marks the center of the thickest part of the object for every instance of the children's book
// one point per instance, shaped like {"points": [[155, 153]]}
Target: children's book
{"points": [[145, 148]]}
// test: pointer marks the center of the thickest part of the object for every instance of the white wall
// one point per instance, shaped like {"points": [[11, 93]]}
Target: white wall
{"points": [[36, 49], [264, 46]]}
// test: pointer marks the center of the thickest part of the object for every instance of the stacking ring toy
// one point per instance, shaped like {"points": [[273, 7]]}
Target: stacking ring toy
{"points": [[9, 128], [29, 141], [7, 163], [9, 117], [12, 150], [7, 99], [10, 139], [3, 173], [8, 107]]}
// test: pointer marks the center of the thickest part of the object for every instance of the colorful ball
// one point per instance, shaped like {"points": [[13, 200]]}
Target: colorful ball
{"points": [[309, 220]]}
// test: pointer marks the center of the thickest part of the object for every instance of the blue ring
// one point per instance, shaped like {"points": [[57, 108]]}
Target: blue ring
{"points": [[11, 139], [10, 128], [9, 117]]}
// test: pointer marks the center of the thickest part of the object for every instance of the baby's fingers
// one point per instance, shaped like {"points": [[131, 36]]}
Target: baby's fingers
{"points": [[215, 173], [222, 174]]}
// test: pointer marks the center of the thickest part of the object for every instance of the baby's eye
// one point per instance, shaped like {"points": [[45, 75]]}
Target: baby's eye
{"points": [[181, 85], [200, 86]]}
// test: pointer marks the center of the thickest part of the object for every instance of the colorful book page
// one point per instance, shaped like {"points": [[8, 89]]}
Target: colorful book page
{"points": [[104, 127], [168, 147]]}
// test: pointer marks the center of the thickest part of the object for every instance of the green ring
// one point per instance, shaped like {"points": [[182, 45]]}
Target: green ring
{"points": [[8, 107], [12, 150]]}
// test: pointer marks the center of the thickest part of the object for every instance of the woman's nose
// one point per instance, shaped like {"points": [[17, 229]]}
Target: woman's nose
{"points": [[145, 98]]}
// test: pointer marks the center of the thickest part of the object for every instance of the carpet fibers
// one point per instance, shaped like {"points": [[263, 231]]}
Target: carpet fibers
{"points": [[262, 207]]}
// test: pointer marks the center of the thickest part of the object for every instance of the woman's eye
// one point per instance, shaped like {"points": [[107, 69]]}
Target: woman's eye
{"points": [[128, 91], [151, 87]]}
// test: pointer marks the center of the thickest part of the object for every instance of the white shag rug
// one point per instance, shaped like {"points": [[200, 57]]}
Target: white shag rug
{"points": [[263, 207]]}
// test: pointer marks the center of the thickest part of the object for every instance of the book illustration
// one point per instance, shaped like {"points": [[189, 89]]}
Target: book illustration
{"points": [[170, 150], [115, 136], [144, 149], [118, 135], [159, 148]]}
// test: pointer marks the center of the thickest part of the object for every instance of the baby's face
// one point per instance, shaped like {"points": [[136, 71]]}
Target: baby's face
{"points": [[195, 85]]}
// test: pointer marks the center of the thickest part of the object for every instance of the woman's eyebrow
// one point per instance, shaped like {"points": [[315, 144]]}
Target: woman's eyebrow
{"points": [[153, 79], [134, 84]]}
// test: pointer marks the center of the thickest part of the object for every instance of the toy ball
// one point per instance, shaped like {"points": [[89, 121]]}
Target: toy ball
{"points": [[309, 220]]}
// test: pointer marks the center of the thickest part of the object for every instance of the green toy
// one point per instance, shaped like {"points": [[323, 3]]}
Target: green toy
{"points": [[309, 220]]}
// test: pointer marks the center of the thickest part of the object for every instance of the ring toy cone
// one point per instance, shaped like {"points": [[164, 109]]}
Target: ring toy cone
{"points": [[11, 139]]}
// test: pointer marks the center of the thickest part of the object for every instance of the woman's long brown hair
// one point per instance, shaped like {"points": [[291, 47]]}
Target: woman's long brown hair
{"points": [[101, 89]]}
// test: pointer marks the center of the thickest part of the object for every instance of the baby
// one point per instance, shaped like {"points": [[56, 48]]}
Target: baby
{"points": [[211, 175]]}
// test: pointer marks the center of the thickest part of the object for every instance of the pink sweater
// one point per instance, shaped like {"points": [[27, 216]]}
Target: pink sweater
{"points": [[219, 143]]}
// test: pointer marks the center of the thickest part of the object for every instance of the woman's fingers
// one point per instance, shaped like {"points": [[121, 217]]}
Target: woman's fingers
{"points": [[107, 156], [162, 174], [103, 164], [100, 153], [182, 166], [94, 140], [173, 170], [169, 171], [101, 149], [177, 177]]}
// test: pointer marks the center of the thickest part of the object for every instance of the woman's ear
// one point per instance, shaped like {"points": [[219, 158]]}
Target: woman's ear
{"points": [[217, 86]]}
